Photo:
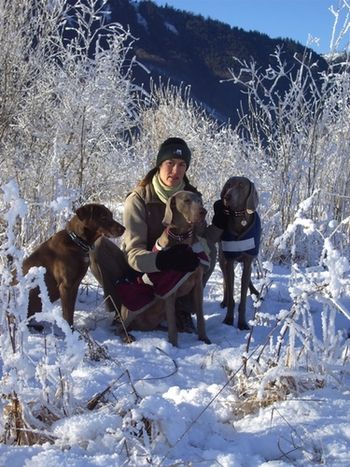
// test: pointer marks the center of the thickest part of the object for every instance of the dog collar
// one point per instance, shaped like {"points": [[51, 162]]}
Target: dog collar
{"points": [[180, 237], [238, 213], [244, 221], [80, 242], [229, 212]]}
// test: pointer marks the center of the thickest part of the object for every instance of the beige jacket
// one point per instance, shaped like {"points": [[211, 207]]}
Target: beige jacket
{"points": [[143, 215]]}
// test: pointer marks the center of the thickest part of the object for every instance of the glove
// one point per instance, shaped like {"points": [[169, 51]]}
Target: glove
{"points": [[178, 258], [220, 217]]}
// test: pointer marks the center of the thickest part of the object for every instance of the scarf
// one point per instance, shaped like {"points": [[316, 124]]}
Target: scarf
{"points": [[164, 192]]}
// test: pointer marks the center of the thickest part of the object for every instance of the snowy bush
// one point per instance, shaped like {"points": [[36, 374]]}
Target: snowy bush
{"points": [[295, 358], [302, 134], [67, 103], [35, 388]]}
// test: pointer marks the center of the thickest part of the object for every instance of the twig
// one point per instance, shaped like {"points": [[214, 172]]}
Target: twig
{"points": [[91, 405], [118, 313], [340, 307]]}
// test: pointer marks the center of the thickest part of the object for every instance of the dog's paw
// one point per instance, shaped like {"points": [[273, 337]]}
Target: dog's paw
{"points": [[228, 321], [205, 339], [129, 339], [243, 326]]}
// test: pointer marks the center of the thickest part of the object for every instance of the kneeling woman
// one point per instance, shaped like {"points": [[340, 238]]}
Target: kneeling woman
{"points": [[144, 210]]}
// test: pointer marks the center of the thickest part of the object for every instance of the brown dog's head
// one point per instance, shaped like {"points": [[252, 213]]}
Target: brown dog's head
{"points": [[239, 194], [183, 209], [91, 221]]}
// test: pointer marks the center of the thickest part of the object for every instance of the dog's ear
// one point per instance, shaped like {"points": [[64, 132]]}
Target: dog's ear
{"points": [[225, 188], [253, 199], [168, 215], [85, 212]]}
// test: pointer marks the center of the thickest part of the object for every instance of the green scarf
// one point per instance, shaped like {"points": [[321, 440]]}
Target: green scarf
{"points": [[165, 192]]}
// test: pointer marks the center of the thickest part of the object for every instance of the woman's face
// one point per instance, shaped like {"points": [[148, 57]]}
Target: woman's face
{"points": [[172, 171]]}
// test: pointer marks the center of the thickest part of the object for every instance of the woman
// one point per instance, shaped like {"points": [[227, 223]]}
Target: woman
{"points": [[144, 210]]}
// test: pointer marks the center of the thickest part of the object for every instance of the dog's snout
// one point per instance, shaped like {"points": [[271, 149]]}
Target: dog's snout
{"points": [[120, 229]]}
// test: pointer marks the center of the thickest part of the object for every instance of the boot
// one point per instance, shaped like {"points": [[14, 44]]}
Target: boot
{"points": [[183, 307], [184, 322]]}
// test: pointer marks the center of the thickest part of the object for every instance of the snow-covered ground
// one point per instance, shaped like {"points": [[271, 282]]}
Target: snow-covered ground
{"points": [[160, 405]]}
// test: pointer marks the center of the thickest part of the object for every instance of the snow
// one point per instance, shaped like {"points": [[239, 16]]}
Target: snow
{"points": [[178, 406], [273, 397], [171, 28], [141, 20]]}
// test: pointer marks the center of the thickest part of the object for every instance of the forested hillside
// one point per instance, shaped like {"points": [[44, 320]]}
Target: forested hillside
{"points": [[196, 51]]}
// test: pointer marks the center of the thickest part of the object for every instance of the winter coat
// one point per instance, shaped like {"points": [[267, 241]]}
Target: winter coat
{"points": [[248, 242], [143, 215]]}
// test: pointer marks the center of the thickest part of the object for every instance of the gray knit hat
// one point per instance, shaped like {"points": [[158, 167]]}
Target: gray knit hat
{"points": [[174, 148]]}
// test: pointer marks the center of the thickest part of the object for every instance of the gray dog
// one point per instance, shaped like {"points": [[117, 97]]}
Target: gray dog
{"points": [[240, 242]]}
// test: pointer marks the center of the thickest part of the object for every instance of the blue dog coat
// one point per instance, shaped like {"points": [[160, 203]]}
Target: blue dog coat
{"points": [[248, 242]]}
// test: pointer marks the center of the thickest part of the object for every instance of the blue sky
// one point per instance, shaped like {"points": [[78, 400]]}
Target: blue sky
{"points": [[296, 19]]}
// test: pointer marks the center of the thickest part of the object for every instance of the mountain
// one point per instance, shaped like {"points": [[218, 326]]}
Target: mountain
{"points": [[186, 48]]}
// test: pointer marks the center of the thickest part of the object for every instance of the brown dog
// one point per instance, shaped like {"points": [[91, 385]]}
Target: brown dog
{"points": [[66, 256], [184, 210], [239, 242]]}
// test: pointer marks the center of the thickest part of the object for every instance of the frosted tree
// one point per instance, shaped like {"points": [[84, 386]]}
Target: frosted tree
{"points": [[302, 134], [67, 102]]}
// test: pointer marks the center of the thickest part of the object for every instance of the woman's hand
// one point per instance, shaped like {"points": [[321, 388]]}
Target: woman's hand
{"points": [[178, 258]]}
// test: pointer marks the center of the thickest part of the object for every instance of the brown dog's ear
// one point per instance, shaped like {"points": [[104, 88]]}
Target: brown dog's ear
{"points": [[168, 215], [84, 212], [253, 199]]}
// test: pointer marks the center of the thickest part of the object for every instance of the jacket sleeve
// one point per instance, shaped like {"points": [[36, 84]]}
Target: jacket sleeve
{"points": [[218, 224], [135, 237]]}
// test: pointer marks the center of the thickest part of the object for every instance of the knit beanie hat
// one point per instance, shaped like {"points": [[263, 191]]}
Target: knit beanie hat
{"points": [[174, 148]]}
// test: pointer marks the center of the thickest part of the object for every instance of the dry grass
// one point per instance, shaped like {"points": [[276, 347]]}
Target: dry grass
{"points": [[250, 399], [17, 431]]}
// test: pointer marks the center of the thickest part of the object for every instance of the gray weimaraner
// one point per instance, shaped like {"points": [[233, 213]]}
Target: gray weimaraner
{"points": [[184, 211], [239, 242]]}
